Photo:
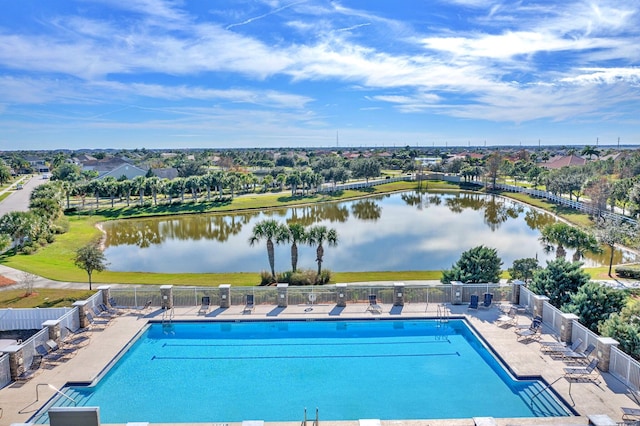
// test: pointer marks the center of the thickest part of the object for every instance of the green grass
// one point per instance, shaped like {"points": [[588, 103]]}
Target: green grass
{"points": [[42, 298], [571, 215]]}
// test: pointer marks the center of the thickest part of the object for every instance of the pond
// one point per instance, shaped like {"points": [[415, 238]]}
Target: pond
{"points": [[392, 232]]}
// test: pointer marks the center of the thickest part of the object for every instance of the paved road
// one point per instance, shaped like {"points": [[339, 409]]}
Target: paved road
{"points": [[19, 200]]}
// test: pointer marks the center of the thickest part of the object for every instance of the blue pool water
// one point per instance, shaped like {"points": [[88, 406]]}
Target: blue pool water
{"points": [[233, 371]]}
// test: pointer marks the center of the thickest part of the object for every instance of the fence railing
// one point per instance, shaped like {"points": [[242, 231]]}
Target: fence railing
{"points": [[625, 368], [28, 319], [192, 296], [5, 371], [363, 184], [578, 205]]}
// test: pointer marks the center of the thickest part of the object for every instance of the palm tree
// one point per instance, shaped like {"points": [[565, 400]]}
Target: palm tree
{"points": [[558, 234], [317, 236], [154, 184], [139, 184], [268, 230], [583, 242], [295, 233]]}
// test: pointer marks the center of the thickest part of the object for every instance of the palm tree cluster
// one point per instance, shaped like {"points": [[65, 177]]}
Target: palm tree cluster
{"points": [[26, 231], [274, 232]]}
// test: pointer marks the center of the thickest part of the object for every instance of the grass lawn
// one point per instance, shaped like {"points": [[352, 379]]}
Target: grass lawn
{"points": [[42, 298], [576, 217]]}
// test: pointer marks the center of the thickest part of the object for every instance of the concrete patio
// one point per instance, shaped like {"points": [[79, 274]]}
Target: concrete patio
{"points": [[18, 401]]}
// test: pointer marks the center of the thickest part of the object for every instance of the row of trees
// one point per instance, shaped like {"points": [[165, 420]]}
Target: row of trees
{"points": [[274, 232]]}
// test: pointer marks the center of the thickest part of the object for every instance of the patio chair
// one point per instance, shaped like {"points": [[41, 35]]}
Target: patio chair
{"points": [[531, 333], [556, 347], [76, 337], [473, 302], [65, 416], [577, 356], [487, 300], [206, 303], [508, 319], [583, 373], [373, 307], [96, 322], [631, 414], [249, 304], [47, 355]]}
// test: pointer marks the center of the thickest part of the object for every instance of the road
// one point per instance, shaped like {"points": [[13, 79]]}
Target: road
{"points": [[19, 200]]}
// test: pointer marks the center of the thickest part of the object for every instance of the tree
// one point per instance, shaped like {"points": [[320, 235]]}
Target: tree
{"points": [[478, 265], [613, 231], [594, 303], [27, 280], [557, 234], [625, 328], [523, 269], [139, 183], [268, 230], [365, 168], [295, 234], [5, 174], [90, 258], [493, 166], [317, 236], [558, 281]]}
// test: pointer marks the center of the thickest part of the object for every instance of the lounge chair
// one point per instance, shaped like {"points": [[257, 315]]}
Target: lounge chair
{"points": [[577, 356], [65, 416], [473, 302], [206, 303], [583, 373], [559, 347], [76, 337], [531, 333], [373, 305], [96, 322], [487, 300], [49, 356], [249, 304], [630, 413], [508, 319]]}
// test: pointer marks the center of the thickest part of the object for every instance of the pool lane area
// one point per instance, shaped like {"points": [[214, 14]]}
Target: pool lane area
{"points": [[347, 369], [523, 359]]}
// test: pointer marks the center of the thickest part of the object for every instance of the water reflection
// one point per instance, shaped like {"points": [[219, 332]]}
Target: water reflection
{"points": [[407, 231]]}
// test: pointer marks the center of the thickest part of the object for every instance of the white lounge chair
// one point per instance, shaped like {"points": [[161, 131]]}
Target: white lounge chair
{"points": [[249, 305]]}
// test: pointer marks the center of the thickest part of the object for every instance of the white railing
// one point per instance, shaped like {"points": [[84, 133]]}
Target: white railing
{"points": [[28, 319], [625, 368], [578, 205], [362, 184], [5, 371], [579, 331], [552, 317], [526, 299]]}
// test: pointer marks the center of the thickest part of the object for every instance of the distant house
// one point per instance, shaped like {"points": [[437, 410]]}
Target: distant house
{"points": [[569, 160], [127, 170], [37, 164], [166, 173]]}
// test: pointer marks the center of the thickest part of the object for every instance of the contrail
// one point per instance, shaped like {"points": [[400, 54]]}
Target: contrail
{"points": [[250, 20], [353, 27]]}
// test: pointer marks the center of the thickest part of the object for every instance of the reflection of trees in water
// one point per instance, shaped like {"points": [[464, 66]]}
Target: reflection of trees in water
{"points": [[537, 219], [366, 210], [497, 211], [421, 199], [460, 202], [312, 214], [144, 233]]}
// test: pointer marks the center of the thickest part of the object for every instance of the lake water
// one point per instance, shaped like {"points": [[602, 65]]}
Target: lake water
{"points": [[394, 232]]}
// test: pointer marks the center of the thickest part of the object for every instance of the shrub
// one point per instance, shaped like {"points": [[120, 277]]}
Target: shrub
{"points": [[628, 271], [28, 249], [325, 277], [266, 278]]}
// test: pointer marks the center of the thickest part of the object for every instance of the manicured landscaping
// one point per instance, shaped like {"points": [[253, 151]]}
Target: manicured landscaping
{"points": [[42, 298]]}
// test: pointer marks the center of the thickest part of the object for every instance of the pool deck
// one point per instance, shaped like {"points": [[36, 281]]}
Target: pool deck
{"points": [[18, 401]]}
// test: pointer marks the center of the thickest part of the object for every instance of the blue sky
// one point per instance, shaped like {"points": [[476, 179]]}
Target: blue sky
{"points": [[271, 73]]}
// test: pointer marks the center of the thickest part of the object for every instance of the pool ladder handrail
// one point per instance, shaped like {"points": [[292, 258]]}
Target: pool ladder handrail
{"points": [[443, 313], [167, 315], [315, 422]]}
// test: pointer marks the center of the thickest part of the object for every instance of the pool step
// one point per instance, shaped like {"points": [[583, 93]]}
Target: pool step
{"points": [[543, 403]]}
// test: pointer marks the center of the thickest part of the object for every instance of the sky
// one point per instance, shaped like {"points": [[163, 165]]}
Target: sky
{"points": [[317, 73]]}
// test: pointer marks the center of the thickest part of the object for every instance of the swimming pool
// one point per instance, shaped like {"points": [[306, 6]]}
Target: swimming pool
{"points": [[272, 370]]}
